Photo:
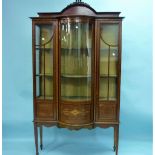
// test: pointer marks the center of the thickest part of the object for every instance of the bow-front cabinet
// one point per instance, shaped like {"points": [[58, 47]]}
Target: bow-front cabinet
{"points": [[76, 69]]}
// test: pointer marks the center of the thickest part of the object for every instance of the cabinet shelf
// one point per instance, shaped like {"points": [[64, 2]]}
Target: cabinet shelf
{"points": [[47, 75], [75, 49], [106, 76], [74, 76], [44, 49], [106, 99], [76, 98], [46, 97], [113, 49]]}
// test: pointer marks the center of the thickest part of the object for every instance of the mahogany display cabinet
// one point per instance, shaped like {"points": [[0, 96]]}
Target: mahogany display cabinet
{"points": [[76, 69]]}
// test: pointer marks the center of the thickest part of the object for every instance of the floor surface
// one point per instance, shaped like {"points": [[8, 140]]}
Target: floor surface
{"points": [[65, 142]]}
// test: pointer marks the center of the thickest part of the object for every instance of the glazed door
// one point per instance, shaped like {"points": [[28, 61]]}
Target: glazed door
{"points": [[108, 74], [44, 75], [76, 71]]}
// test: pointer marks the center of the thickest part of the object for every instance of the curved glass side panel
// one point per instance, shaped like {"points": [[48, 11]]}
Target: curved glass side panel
{"points": [[44, 61], [76, 55]]}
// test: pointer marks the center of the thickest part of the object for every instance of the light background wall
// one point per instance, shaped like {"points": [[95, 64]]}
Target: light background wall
{"points": [[136, 89]]}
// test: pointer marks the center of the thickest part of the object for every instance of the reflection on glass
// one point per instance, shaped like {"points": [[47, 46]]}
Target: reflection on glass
{"points": [[44, 35], [76, 53], [108, 61], [44, 61], [104, 61]]}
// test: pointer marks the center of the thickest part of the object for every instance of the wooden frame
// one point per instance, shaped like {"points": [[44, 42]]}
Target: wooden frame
{"points": [[81, 114], [117, 102]]}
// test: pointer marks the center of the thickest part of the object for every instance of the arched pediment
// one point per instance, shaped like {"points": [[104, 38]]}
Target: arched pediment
{"points": [[79, 8]]}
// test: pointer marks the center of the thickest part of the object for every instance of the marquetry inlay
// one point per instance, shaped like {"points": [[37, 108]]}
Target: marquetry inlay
{"points": [[74, 112]]}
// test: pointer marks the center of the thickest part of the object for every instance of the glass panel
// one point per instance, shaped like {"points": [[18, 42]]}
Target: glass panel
{"points": [[113, 61], [112, 89], [108, 61], [40, 87], [76, 51], [38, 67], [104, 88], [44, 35], [75, 89], [48, 84], [113, 58], [44, 61]]}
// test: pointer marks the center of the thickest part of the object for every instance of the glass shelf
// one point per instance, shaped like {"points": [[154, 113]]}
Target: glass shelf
{"points": [[43, 49], [110, 76], [112, 49], [75, 98], [75, 49], [46, 74], [105, 99], [46, 97], [75, 76]]}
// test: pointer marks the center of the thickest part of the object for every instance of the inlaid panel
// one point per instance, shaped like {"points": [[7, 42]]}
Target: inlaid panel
{"points": [[107, 112], [45, 110], [75, 114]]}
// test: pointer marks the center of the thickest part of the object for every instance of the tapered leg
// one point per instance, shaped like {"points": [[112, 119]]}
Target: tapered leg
{"points": [[41, 137], [116, 138], [36, 138]]}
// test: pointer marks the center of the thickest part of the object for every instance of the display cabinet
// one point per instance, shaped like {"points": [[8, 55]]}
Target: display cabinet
{"points": [[76, 69]]}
